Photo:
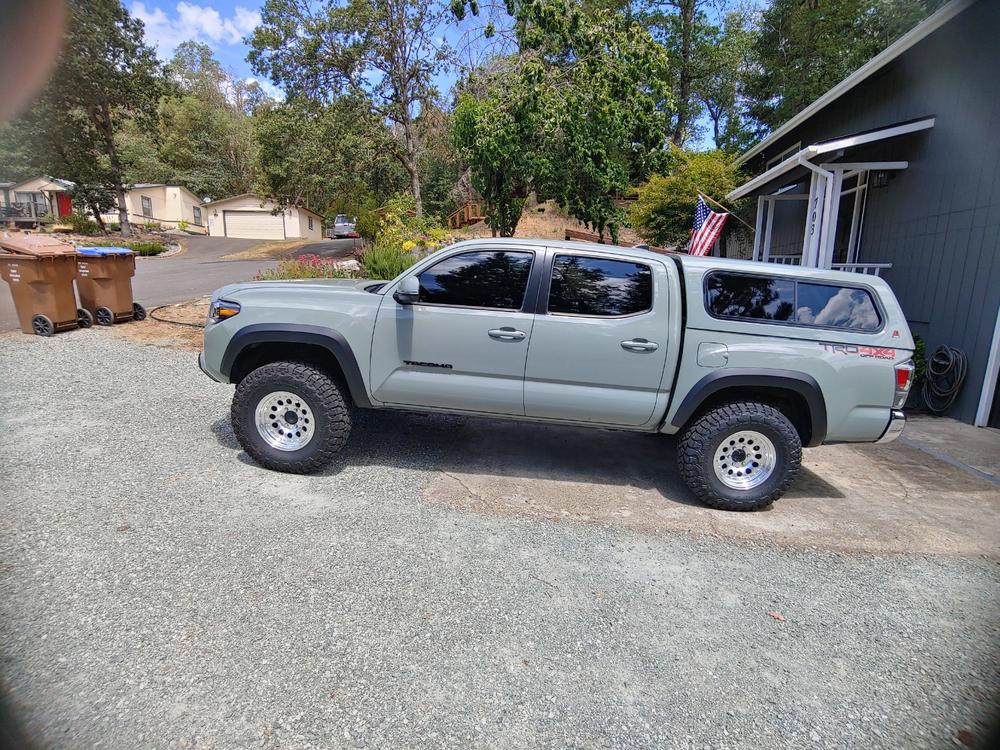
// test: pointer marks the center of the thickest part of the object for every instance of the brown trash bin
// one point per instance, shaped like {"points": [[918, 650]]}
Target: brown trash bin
{"points": [[40, 273], [104, 281]]}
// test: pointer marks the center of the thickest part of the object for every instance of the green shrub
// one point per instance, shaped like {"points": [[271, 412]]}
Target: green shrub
{"points": [[664, 210], [305, 267], [114, 227], [919, 358], [141, 248], [385, 260], [368, 225], [81, 223], [152, 226]]}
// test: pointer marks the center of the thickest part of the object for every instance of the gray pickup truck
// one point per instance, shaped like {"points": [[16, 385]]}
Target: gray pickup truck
{"points": [[746, 362]]}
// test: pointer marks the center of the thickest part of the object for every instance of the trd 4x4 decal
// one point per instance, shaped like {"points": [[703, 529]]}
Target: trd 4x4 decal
{"points": [[878, 352]]}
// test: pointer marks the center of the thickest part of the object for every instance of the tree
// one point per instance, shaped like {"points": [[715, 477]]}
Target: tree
{"points": [[727, 59], [580, 112], [383, 52], [323, 156], [497, 135], [205, 136], [681, 27], [664, 211], [47, 138], [805, 48], [106, 74]]}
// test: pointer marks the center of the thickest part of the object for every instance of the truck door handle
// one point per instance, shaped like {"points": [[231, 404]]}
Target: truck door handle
{"points": [[639, 345], [506, 334]]}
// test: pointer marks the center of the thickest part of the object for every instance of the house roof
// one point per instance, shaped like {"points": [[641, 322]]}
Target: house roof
{"points": [[830, 146], [923, 29], [262, 200], [64, 184], [142, 185]]}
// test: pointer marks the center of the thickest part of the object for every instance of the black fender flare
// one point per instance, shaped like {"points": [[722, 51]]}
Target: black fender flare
{"points": [[293, 333], [740, 377]]}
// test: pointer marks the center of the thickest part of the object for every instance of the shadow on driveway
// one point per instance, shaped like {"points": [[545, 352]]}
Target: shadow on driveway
{"points": [[849, 498]]}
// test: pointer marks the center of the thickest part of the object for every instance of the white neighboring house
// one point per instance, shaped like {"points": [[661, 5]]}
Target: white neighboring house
{"points": [[252, 217], [166, 205]]}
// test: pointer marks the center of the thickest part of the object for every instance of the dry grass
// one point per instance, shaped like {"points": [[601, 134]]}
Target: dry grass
{"points": [[549, 223], [175, 333], [268, 250]]}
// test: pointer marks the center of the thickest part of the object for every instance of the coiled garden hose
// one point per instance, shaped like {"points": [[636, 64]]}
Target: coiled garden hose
{"points": [[946, 371], [154, 316]]}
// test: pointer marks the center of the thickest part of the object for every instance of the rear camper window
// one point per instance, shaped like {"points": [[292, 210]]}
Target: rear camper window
{"points": [[781, 299], [733, 295]]}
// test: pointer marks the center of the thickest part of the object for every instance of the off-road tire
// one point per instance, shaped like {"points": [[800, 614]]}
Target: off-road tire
{"points": [[332, 417], [702, 439]]}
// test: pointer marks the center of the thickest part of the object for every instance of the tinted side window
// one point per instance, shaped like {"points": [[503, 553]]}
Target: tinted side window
{"points": [[736, 296], [597, 286], [478, 279], [836, 306]]}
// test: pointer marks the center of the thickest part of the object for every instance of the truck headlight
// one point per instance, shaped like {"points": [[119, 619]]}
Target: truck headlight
{"points": [[222, 309]]}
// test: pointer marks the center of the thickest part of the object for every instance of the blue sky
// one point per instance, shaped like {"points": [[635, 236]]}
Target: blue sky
{"points": [[221, 24]]}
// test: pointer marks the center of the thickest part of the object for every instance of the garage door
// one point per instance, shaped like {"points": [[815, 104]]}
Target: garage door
{"points": [[254, 225]]}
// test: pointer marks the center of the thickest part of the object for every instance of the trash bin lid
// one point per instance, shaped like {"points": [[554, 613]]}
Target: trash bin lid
{"points": [[34, 244], [92, 251]]}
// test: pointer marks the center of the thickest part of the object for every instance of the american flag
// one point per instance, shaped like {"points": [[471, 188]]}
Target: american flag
{"points": [[707, 228]]}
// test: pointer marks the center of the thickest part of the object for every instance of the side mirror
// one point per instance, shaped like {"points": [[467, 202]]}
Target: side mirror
{"points": [[408, 291]]}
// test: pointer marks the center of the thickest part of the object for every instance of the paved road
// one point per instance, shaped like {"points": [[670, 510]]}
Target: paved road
{"points": [[160, 281], [159, 590], [328, 248]]}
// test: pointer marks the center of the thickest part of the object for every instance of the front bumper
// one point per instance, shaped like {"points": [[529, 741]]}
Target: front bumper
{"points": [[896, 424], [204, 368]]}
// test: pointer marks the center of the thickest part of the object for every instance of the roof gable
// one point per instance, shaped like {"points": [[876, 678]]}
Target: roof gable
{"points": [[919, 32]]}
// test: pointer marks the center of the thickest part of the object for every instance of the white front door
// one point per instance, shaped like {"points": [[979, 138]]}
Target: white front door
{"points": [[463, 345]]}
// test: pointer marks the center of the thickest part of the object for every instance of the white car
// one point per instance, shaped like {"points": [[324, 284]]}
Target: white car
{"points": [[343, 227]]}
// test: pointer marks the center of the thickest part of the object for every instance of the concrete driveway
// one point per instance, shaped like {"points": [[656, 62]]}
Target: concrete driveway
{"points": [[159, 280], [454, 583]]}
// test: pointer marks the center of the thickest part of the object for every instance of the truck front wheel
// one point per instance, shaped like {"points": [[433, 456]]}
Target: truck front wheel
{"points": [[290, 416], [739, 456]]}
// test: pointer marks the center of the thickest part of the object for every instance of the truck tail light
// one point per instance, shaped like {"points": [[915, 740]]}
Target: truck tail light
{"points": [[904, 379]]}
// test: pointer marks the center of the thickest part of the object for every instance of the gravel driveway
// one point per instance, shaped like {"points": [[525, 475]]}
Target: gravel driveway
{"points": [[158, 590]]}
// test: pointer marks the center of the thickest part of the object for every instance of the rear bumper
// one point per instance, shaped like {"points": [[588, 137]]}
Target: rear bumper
{"points": [[896, 424]]}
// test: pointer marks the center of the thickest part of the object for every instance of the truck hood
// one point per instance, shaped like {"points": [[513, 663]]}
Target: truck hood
{"points": [[331, 286]]}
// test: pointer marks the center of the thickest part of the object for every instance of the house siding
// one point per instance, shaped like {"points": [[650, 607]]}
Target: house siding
{"points": [[295, 220], [938, 221]]}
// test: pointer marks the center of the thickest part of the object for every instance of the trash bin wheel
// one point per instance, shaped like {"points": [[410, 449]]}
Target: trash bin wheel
{"points": [[42, 325], [104, 316], [138, 311], [83, 318]]}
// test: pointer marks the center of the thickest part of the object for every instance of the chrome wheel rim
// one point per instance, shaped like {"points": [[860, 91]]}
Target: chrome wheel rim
{"points": [[285, 421], [744, 460]]}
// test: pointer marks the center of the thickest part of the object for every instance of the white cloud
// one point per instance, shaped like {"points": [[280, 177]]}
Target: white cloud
{"points": [[198, 23], [267, 87]]}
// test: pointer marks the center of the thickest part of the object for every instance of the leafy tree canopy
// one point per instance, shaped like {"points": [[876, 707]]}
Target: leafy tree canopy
{"points": [[665, 207], [805, 48]]}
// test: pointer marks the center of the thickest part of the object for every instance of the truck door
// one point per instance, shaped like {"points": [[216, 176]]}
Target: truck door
{"points": [[463, 345], [599, 342]]}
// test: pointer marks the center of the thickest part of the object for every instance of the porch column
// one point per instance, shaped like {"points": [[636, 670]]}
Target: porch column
{"points": [[757, 231], [831, 209], [814, 220]]}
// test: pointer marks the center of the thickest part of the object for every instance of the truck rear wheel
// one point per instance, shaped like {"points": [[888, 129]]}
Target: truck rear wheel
{"points": [[290, 416], [739, 456]]}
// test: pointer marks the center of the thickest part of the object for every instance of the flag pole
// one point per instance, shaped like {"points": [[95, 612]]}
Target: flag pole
{"points": [[728, 211]]}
